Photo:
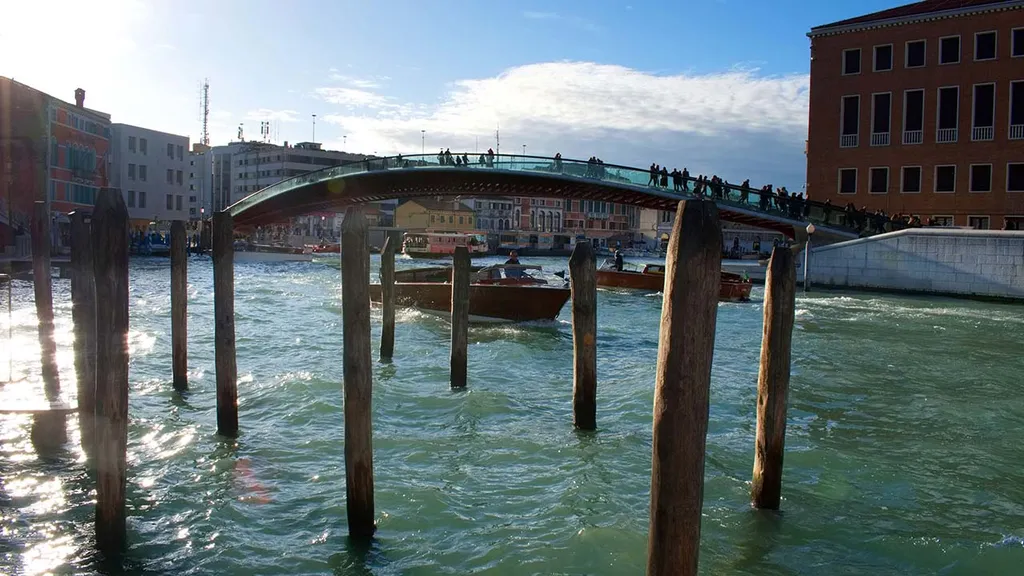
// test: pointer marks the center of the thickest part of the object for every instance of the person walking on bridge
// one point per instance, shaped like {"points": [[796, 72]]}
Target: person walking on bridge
{"points": [[653, 181]]}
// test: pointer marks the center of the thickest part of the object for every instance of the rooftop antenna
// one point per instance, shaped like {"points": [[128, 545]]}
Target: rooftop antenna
{"points": [[497, 138], [205, 103]]}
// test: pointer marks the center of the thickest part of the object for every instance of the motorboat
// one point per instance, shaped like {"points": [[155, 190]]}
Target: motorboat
{"points": [[734, 287], [249, 252]]}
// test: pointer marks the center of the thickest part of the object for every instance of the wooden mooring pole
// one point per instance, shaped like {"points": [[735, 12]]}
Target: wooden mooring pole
{"points": [[179, 305], [358, 375], [461, 264], [42, 285], [83, 314], [110, 264], [685, 350], [773, 378], [387, 290], [583, 283], [224, 323]]}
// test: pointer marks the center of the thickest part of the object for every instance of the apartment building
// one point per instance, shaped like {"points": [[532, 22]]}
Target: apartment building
{"points": [[150, 168], [432, 215], [492, 214], [920, 110]]}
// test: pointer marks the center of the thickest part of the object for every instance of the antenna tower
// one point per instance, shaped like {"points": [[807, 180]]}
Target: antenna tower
{"points": [[205, 138]]}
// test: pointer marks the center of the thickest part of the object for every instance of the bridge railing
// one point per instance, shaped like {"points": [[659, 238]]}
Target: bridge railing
{"points": [[726, 194]]}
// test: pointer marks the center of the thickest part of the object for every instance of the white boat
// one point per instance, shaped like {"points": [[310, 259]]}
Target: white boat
{"points": [[266, 253]]}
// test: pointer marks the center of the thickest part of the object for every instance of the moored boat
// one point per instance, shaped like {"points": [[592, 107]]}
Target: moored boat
{"points": [[499, 293], [246, 252], [733, 287]]}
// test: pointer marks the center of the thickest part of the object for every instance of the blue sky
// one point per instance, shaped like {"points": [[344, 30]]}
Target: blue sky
{"points": [[718, 86]]}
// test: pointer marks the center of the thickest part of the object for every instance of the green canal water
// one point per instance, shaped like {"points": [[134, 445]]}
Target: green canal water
{"points": [[903, 451]]}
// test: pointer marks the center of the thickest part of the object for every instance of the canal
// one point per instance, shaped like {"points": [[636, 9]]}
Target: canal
{"points": [[903, 452]]}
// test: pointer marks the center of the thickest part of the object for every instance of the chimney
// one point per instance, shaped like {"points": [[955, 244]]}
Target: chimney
{"points": [[80, 98]]}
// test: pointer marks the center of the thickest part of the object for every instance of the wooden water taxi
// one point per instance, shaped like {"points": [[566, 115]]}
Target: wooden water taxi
{"points": [[734, 288], [498, 293]]}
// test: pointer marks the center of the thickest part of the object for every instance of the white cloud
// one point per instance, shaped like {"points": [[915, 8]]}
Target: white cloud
{"points": [[737, 123], [355, 82], [277, 115]]}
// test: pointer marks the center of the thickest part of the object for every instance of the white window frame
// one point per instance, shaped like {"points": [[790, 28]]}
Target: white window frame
{"points": [[856, 182], [871, 127], [970, 178], [859, 68], [952, 219], [960, 54], [906, 53], [888, 179], [1009, 105], [903, 124], [1007, 187], [938, 110], [842, 117], [935, 178], [995, 53], [920, 179], [1021, 55], [985, 216], [874, 57]]}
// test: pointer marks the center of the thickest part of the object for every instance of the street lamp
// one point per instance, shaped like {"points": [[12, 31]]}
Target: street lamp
{"points": [[524, 149], [423, 142], [807, 255], [314, 128]]}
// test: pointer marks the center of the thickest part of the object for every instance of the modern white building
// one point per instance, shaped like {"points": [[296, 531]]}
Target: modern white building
{"points": [[150, 169]]}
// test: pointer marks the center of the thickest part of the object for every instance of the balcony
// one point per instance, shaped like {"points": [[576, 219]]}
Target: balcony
{"points": [[945, 135], [982, 133], [880, 139], [913, 136], [1016, 131], [849, 140]]}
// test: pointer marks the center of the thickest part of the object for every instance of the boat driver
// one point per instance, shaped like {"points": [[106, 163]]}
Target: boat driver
{"points": [[513, 260], [618, 260]]}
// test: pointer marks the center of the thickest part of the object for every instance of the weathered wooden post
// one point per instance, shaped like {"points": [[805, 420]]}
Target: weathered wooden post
{"points": [[387, 290], [583, 283], [461, 264], [773, 378], [83, 314], [179, 305], [355, 320], [224, 327], [685, 349], [110, 264], [42, 285]]}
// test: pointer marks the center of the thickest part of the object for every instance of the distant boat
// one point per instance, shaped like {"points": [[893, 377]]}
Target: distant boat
{"points": [[246, 252], [499, 293], [733, 288]]}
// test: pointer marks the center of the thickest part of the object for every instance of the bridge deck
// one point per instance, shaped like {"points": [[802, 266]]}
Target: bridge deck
{"points": [[513, 175]]}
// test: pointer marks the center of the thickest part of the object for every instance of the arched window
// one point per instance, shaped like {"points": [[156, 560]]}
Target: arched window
{"points": [[558, 223], [518, 219], [551, 222], [533, 219]]}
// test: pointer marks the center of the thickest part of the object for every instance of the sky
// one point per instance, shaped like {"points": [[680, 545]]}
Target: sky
{"points": [[717, 86]]}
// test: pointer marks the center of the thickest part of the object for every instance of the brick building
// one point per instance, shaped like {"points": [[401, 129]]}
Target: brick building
{"points": [[920, 110]]}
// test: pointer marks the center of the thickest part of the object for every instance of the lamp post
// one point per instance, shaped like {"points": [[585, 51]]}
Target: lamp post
{"points": [[807, 256], [423, 142], [314, 128]]}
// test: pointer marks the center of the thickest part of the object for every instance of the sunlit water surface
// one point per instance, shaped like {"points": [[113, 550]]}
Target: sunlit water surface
{"points": [[903, 453]]}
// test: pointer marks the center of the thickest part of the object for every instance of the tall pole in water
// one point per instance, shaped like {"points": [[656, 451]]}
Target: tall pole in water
{"points": [[423, 141], [314, 128], [807, 256]]}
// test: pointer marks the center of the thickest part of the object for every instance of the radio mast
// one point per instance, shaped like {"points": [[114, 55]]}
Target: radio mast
{"points": [[205, 104]]}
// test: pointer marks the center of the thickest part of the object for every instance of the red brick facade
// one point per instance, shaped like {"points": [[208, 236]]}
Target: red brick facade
{"points": [[971, 147]]}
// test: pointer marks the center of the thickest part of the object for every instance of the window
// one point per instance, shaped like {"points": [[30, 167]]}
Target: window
{"points": [[170, 176], [131, 143], [1017, 110], [178, 178], [945, 178], [913, 116], [978, 222], [984, 112], [170, 202], [851, 61], [432, 218], [949, 50], [981, 178], [883, 58], [879, 181], [847, 180], [142, 199], [948, 112], [985, 45], [143, 146], [451, 219], [1015, 177], [850, 119], [461, 220], [177, 203], [131, 198], [915, 56], [181, 152], [1017, 43], [142, 174], [170, 151], [131, 171], [943, 220], [881, 105], [469, 220], [911, 180]]}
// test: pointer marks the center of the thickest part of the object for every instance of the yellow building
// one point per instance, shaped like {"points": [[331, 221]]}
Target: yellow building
{"points": [[435, 216]]}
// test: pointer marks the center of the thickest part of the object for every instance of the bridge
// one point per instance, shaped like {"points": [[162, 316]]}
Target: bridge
{"points": [[423, 175]]}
